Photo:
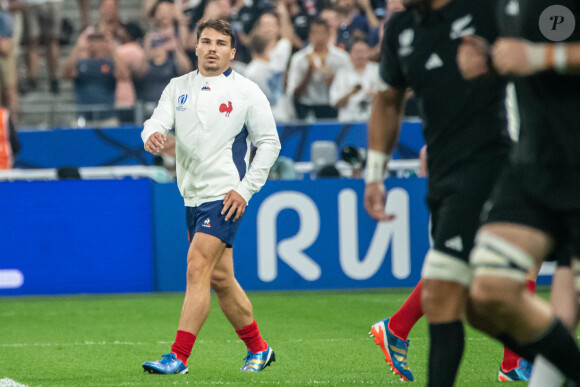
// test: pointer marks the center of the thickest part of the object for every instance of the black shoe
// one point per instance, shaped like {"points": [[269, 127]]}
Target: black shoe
{"points": [[54, 87]]}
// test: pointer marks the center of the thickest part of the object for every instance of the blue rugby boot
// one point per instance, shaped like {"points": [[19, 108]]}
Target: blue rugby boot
{"points": [[522, 372], [256, 362], [394, 348], [168, 364]]}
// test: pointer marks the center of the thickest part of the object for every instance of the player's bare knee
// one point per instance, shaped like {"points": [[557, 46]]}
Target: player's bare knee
{"points": [[220, 282]]}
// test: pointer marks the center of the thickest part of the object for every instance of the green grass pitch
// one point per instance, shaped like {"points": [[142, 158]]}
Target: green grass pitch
{"points": [[320, 338]]}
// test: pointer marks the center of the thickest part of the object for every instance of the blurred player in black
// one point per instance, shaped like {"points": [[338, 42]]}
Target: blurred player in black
{"points": [[465, 131], [535, 209]]}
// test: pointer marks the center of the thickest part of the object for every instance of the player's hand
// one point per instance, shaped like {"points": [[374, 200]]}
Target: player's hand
{"points": [[473, 57], [375, 200], [155, 143], [234, 204], [517, 57]]}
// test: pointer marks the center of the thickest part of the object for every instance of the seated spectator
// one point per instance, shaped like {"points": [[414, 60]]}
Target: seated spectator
{"points": [[311, 73], [42, 19], [132, 54], [164, 59], [352, 92], [9, 144], [351, 20], [95, 69]]}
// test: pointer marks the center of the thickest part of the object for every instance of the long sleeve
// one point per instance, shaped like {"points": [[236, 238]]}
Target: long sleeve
{"points": [[163, 118], [262, 130]]}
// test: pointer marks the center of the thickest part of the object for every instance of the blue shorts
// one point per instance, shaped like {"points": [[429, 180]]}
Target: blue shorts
{"points": [[207, 218]]}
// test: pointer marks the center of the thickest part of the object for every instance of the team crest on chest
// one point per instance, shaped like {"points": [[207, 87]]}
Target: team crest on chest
{"points": [[461, 27], [226, 108], [181, 100]]}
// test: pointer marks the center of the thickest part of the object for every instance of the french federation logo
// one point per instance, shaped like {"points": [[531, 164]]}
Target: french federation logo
{"points": [[181, 100]]}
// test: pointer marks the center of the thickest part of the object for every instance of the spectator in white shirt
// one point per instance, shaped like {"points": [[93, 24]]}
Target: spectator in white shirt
{"points": [[271, 48], [312, 71], [352, 92]]}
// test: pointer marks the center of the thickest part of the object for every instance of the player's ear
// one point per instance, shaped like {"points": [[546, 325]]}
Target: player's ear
{"points": [[232, 53]]}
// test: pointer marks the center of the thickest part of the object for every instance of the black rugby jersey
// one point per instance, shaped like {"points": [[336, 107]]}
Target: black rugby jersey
{"points": [[549, 102], [463, 121], [549, 145]]}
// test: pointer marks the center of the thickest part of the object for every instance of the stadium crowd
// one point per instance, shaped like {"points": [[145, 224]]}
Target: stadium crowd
{"points": [[312, 58]]}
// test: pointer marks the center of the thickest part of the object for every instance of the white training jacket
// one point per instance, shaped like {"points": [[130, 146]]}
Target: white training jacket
{"points": [[215, 119]]}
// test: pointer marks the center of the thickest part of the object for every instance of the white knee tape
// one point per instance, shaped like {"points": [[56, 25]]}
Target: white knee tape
{"points": [[441, 266], [494, 256]]}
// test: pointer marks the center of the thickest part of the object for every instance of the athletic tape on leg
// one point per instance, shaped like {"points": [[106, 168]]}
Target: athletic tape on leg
{"points": [[494, 256], [441, 266]]}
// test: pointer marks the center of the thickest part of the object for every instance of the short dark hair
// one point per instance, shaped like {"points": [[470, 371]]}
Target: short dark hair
{"points": [[220, 26], [257, 45], [317, 20]]}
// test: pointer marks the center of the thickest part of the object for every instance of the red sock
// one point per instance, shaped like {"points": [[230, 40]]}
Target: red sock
{"points": [[408, 314], [250, 334], [510, 359], [182, 346]]}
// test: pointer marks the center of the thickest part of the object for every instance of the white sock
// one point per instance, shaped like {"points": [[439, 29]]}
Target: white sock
{"points": [[545, 374]]}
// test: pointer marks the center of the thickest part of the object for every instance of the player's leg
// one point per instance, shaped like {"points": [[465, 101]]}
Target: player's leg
{"points": [[446, 273], [204, 252], [513, 367], [238, 310], [391, 333], [500, 304], [444, 301], [564, 299]]}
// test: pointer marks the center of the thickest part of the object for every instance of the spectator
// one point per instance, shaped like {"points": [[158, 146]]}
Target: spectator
{"points": [[168, 20], [94, 67], [352, 23], [330, 17], [164, 59], [9, 144], [268, 73], [299, 20], [132, 54], [312, 71], [271, 49], [42, 18], [9, 43], [109, 18], [352, 92]]}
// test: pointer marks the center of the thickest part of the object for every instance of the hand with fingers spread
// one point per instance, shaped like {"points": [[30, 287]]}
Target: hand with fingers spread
{"points": [[376, 200], [155, 143], [234, 205]]}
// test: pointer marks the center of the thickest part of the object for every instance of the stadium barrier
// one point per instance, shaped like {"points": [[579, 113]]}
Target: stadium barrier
{"points": [[123, 146]]}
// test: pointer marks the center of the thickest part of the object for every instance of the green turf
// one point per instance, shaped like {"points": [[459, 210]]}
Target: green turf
{"points": [[319, 338]]}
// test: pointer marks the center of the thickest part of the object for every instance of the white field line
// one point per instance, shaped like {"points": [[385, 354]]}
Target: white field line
{"points": [[10, 383]]}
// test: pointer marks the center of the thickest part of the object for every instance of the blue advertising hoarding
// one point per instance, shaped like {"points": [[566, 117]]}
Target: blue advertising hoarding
{"points": [[309, 235], [68, 237]]}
